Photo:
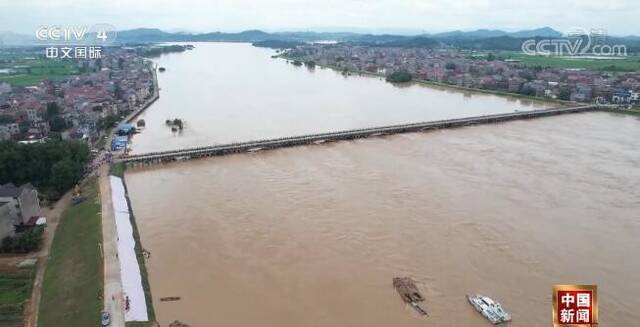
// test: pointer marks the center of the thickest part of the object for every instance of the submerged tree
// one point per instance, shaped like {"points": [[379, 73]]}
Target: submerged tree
{"points": [[178, 123], [400, 76]]}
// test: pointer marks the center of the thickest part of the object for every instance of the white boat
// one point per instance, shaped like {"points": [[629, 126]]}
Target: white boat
{"points": [[489, 308]]}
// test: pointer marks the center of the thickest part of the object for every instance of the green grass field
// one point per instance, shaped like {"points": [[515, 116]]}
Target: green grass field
{"points": [[15, 290], [118, 169], [74, 275], [38, 71], [627, 64], [138, 324]]}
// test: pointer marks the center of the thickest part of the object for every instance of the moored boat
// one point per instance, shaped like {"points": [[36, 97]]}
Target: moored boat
{"points": [[409, 293], [489, 308]]}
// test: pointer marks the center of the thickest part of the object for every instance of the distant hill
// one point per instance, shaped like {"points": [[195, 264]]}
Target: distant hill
{"points": [[156, 35], [277, 44], [397, 41], [246, 36], [146, 35], [316, 36], [482, 39], [546, 32], [483, 33], [13, 39]]}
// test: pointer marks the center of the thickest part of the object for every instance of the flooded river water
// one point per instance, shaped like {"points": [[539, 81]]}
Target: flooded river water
{"points": [[313, 235], [230, 92]]}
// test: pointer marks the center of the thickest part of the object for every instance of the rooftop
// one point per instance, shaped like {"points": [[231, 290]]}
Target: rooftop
{"points": [[10, 190]]}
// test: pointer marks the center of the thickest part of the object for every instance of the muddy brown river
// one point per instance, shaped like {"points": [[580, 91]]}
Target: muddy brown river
{"points": [[313, 235], [233, 92]]}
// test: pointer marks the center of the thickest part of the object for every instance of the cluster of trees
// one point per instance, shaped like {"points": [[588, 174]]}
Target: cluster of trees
{"points": [[26, 241], [277, 44], [9, 119], [56, 122], [108, 122], [564, 94], [177, 123], [53, 167], [400, 76], [528, 91], [156, 51]]}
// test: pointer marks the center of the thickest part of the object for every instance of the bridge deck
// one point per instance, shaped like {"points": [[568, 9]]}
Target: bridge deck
{"points": [[252, 146]]}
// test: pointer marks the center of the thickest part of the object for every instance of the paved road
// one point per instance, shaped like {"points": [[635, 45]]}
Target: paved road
{"points": [[113, 299]]}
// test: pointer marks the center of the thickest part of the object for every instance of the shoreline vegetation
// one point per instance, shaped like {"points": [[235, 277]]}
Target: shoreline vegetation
{"points": [[158, 50], [400, 76], [400, 80], [635, 111], [440, 84], [73, 277]]}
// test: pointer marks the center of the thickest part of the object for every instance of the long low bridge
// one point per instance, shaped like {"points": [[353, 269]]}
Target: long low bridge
{"points": [[254, 146]]}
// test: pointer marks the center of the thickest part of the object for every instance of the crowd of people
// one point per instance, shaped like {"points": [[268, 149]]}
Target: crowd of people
{"points": [[93, 167]]}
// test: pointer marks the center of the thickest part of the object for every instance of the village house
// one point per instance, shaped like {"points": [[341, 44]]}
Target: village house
{"points": [[5, 88], [17, 206], [622, 97], [7, 131], [474, 69]]}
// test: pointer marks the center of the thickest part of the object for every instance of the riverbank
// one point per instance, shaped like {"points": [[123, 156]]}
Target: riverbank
{"points": [[143, 267], [113, 293], [447, 85], [118, 170], [73, 282], [130, 117], [635, 111], [150, 101]]}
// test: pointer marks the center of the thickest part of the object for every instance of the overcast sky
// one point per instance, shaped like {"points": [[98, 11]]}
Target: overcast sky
{"points": [[619, 17]]}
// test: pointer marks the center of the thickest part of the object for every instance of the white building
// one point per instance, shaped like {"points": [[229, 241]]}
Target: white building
{"points": [[5, 88]]}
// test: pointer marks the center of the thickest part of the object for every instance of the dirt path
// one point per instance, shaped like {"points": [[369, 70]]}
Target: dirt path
{"points": [[53, 218]]}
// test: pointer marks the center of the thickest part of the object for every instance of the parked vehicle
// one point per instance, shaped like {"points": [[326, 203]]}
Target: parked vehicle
{"points": [[105, 318]]}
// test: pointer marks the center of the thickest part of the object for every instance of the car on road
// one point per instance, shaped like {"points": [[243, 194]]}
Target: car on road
{"points": [[106, 318]]}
